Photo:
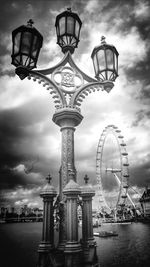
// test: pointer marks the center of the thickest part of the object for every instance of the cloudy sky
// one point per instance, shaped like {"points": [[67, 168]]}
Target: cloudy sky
{"points": [[27, 134]]}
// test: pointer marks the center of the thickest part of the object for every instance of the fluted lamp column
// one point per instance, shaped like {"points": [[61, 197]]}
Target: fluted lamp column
{"points": [[67, 119], [47, 244]]}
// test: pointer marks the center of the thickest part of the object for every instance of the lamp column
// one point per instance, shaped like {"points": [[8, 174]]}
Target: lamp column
{"points": [[47, 244], [88, 242], [67, 119]]}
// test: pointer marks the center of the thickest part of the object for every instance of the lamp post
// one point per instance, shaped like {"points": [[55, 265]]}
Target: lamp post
{"points": [[61, 81]]}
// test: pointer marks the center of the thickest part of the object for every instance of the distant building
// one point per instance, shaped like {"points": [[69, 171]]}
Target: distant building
{"points": [[12, 210], [3, 211], [145, 202]]}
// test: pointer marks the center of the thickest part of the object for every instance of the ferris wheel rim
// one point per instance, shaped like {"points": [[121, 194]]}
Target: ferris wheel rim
{"points": [[122, 196]]}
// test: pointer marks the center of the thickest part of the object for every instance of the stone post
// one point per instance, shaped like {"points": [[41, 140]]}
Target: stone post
{"points": [[47, 244], [88, 242], [73, 247]]}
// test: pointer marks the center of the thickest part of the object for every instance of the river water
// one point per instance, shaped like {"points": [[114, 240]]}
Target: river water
{"points": [[19, 242]]}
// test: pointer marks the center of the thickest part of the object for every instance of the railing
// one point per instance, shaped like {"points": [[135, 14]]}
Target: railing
{"points": [[23, 219]]}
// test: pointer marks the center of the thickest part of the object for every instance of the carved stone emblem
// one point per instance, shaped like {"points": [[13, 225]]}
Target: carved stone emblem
{"points": [[67, 79]]}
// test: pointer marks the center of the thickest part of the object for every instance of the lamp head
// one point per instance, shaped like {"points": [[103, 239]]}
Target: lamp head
{"points": [[27, 42], [105, 61], [68, 25]]}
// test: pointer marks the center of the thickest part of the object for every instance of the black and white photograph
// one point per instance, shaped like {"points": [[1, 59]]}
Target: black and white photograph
{"points": [[74, 133]]}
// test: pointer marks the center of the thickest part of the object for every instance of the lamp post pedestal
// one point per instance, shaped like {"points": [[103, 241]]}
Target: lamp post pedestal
{"points": [[46, 246], [67, 119], [88, 242], [72, 247]]}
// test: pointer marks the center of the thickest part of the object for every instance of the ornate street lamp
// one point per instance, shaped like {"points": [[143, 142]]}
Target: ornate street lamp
{"points": [[68, 25], [105, 61], [27, 42], [68, 86]]}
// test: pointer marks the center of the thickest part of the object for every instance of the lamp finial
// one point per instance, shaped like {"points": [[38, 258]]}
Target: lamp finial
{"points": [[103, 38], [30, 23], [69, 9], [49, 178], [86, 178]]}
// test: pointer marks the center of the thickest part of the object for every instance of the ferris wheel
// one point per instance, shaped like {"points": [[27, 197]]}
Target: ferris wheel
{"points": [[112, 170]]}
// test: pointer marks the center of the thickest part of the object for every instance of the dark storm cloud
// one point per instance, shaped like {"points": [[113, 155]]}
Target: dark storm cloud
{"points": [[10, 179], [15, 122], [17, 13], [140, 22], [140, 118], [40, 9], [19, 136], [140, 174], [140, 72]]}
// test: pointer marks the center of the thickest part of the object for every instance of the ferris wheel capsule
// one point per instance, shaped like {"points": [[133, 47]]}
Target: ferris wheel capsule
{"points": [[124, 154], [120, 136], [123, 144]]}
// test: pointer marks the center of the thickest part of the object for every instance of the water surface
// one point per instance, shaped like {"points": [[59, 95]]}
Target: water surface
{"points": [[19, 243]]}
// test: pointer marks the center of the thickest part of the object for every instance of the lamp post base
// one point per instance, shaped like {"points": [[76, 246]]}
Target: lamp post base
{"points": [[61, 246], [89, 255], [45, 251], [72, 247], [73, 254]]}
